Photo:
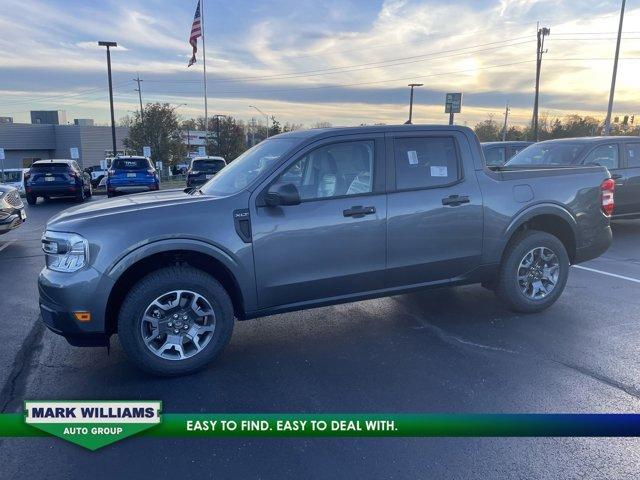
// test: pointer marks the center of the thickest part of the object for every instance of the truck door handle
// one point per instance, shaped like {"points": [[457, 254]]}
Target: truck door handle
{"points": [[358, 211], [455, 200]]}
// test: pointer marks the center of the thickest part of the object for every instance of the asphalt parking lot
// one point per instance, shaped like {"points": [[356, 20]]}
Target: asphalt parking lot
{"points": [[448, 350]]}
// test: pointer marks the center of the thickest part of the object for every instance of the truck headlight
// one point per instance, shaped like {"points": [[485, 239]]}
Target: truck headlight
{"points": [[65, 252]]}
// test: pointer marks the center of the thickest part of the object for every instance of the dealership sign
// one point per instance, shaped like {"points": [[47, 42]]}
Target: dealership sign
{"points": [[92, 424]]}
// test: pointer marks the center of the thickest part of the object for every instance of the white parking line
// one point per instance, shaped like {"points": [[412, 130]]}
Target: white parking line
{"points": [[2, 247], [635, 280]]}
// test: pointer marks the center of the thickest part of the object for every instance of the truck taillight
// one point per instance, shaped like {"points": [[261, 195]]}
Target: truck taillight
{"points": [[607, 189]]}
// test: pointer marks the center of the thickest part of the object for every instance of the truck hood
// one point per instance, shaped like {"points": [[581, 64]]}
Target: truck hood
{"points": [[119, 205]]}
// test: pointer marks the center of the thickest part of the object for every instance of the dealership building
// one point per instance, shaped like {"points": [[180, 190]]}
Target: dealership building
{"points": [[23, 143]]}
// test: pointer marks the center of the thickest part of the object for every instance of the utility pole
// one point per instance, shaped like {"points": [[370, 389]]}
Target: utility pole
{"points": [[607, 122], [266, 116], [506, 117], [217, 117], [542, 32], [113, 121], [412, 85], [139, 90]]}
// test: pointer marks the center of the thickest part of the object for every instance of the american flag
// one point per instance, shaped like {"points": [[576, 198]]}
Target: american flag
{"points": [[196, 31]]}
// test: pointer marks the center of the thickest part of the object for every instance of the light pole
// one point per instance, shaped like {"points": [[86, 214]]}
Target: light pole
{"points": [[113, 121], [412, 85], [267, 117], [607, 122]]}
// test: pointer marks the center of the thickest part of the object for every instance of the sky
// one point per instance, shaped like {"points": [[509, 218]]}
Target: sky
{"points": [[344, 62]]}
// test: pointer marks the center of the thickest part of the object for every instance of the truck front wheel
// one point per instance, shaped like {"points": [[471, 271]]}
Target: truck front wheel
{"points": [[175, 321], [533, 273]]}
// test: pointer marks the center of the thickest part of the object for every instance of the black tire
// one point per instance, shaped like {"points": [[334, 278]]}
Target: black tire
{"points": [[153, 286], [80, 195], [110, 195], [89, 191], [31, 199], [508, 288]]}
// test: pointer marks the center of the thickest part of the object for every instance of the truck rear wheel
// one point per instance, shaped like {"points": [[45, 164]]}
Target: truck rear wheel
{"points": [[533, 273], [175, 321]]}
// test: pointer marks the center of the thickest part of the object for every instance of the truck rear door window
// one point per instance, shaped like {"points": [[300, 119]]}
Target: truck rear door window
{"points": [[425, 162], [633, 155]]}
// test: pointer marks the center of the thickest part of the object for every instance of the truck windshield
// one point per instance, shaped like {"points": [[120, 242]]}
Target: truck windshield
{"points": [[547, 154], [240, 173]]}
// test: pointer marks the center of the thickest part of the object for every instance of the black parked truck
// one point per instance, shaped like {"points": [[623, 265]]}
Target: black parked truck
{"points": [[311, 218], [620, 155]]}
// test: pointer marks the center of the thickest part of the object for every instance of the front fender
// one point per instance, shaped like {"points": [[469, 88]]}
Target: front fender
{"points": [[242, 277]]}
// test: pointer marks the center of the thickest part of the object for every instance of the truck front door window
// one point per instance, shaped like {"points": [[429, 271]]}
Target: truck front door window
{"points": [[335, 170]]}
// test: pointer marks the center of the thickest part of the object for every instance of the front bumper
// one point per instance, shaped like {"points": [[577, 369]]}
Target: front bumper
{"points": [[61, 294], [11, 218]]}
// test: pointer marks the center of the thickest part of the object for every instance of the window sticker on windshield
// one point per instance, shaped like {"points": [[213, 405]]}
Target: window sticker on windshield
{"points": [[437, 171], [413, 157]]}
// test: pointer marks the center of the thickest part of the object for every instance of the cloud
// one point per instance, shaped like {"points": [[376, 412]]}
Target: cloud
{"points": [[304, 58]]}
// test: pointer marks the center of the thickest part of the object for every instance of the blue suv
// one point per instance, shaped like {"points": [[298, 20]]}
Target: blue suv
{"points": [[56, 178], [131, 175]]}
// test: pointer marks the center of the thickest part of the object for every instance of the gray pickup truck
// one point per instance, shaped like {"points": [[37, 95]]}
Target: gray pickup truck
{"points": [[313, 218]]}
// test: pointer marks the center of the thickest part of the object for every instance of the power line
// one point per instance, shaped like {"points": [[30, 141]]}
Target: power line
{"points": [[139, 90], [413, 77], [369, 65], [61, 95], [413, 40]]}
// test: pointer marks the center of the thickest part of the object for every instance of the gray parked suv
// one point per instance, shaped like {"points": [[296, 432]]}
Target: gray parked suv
{"points": [[312, 218]]}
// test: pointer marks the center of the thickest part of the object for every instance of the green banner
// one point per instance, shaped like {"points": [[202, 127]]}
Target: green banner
{"points": [[102, 429]]}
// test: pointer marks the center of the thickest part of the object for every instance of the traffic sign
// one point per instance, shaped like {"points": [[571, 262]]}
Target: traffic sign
{"points": [[202, 151], [75, 155], [453, 103], [1, 153], [146, 151]]}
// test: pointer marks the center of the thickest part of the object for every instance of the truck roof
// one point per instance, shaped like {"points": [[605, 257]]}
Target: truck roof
{"points": [[610, 138], [506, 142], [333, 131]]}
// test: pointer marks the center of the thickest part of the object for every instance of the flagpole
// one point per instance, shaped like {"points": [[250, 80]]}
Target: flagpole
{"points": [[204, 69]]}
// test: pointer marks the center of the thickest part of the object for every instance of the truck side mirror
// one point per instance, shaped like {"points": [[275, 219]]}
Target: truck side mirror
{"points": [[280, 194]]}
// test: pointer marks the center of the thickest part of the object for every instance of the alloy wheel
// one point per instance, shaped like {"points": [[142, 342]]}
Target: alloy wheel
{"points": [[538, 273], [178, 325]]}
